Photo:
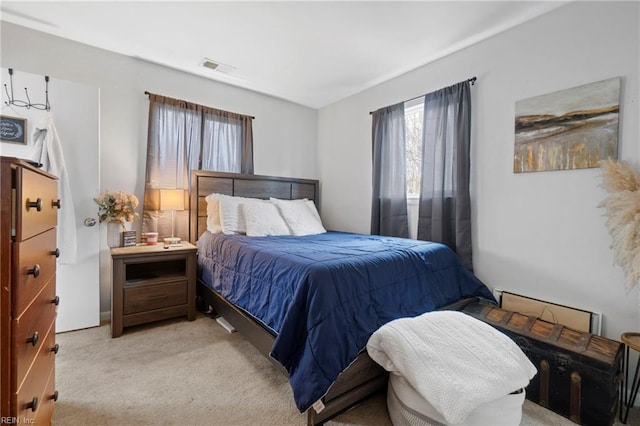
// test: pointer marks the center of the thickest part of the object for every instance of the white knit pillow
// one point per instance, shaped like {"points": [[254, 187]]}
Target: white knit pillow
{"points": [[263, 220], [301, 216]]}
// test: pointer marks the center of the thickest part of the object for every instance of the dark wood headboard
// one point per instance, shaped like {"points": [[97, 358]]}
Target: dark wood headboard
{"points": [[241, 185]]}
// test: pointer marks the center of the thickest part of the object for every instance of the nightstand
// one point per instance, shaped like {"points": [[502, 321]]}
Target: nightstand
{"points": [[151, 283]]}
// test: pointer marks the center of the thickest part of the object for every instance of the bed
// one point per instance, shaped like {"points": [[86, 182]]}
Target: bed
{"points": [[300, 303]]}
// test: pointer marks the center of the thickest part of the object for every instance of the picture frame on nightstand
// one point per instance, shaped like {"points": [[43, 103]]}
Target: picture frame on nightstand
{"points": [[128, 238]]}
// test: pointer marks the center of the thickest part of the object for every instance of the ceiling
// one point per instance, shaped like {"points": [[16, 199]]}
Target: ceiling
{"points": [[310, 53]]}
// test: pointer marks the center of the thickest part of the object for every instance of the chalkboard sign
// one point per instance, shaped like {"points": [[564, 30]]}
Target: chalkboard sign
{"points": [[128, 238], [13, 129]]}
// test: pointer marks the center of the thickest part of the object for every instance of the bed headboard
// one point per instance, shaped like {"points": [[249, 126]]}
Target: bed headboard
{"points": [[204, 183]]}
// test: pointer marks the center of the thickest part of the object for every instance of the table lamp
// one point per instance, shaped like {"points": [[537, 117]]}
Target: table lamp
{"points": [[172, 200]]}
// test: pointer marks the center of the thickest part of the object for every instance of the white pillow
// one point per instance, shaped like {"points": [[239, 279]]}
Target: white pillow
{"points": [[301, 216], [232, 219], [213, 213], [263, 219], [312, 206]]}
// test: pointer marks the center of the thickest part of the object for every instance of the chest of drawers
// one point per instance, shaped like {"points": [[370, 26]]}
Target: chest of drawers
{"points": [[28, 303]]}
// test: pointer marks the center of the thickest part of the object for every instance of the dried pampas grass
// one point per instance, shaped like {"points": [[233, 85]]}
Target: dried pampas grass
{"points": [[622, 207]]}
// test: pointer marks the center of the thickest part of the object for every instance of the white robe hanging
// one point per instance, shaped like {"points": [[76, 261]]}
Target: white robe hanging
{"points": [[47, 143]]}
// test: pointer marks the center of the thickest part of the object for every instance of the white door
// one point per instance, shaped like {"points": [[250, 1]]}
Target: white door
{"points": [[75, 112]]}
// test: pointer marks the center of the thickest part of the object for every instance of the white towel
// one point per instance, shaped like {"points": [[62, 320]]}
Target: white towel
{"points": [[47, 143], [456, 362]]}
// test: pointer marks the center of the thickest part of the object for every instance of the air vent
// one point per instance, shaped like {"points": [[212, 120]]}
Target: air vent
{"points": [[209, 64], [216, 66]]}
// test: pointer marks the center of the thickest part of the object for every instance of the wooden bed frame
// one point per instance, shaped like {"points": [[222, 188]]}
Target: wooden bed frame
{"points": [[363, 377]]}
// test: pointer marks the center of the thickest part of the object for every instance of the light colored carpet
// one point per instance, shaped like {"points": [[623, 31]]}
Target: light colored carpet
{"points": [[178, 372]]}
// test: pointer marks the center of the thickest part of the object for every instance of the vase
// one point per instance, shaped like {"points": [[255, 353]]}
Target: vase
{"points": [[113, 233]]}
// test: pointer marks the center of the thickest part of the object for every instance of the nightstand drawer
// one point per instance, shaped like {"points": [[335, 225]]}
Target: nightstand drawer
{"points": [[147, 298]]}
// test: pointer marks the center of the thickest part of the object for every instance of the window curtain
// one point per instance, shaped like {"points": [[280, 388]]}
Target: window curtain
{"points": [[230, 142], [445, 205], [182, 137], [389, 198]]}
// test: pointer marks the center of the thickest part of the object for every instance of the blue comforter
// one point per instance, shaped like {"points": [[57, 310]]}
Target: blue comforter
{"points": [[324, 295]]}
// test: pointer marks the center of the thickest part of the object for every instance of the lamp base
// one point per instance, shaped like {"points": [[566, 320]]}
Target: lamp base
{"points": [[172, 242]]}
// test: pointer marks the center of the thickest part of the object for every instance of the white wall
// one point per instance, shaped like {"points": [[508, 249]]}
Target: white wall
{"points": [[539, 234], [284, 133]]}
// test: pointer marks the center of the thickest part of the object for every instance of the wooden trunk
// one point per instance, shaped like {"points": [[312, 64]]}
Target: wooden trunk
{"points": [[579, 374]]}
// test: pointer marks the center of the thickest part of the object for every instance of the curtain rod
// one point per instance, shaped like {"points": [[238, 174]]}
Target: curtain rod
{"points": [[205, 106], [471, 80]]}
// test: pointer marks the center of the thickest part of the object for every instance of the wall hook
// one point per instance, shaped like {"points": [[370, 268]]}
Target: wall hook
{"points": [[26, 104]]}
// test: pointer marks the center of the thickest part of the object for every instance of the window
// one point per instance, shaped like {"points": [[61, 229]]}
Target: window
{"points": [[414, 121], [413, 113], [182, 137], [433, 189]]}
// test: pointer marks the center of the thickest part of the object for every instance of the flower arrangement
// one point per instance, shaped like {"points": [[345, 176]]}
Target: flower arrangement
{"points": [[116, 206], [622, 207]]}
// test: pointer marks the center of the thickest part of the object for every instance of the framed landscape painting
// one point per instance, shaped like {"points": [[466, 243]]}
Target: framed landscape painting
{"points": [[569, 129]]}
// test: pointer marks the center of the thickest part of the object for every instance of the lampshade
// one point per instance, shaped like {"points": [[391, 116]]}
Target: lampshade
{"points": [[171, 199], [151, 199]]}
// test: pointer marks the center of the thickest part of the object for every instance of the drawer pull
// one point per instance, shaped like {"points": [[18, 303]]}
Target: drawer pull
{"points": [[37, 204], [56, 203], [56, 252], [33, 404], [34, 339], [55, 396], [35, 271], [56, 300], [55, 349]]}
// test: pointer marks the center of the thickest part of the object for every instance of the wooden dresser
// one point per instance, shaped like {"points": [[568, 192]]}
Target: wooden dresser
{"points": [[28, 303]]}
